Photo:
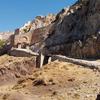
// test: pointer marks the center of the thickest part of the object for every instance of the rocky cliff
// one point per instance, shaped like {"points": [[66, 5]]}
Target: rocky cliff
{"points": [[76, 31]]}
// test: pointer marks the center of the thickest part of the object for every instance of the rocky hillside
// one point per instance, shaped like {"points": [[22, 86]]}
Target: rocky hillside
{"points": [[76, 31], [38, 22]]}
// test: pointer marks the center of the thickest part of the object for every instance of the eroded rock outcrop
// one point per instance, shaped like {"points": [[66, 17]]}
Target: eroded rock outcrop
{"points": [[76, 31]]}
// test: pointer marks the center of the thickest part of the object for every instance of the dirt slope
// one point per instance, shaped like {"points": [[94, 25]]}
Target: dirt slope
{"points": [[56, 81], [12, 68]]}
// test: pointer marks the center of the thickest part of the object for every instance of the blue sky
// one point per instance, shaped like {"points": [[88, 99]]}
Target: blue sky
{"points": [[14, 13]]}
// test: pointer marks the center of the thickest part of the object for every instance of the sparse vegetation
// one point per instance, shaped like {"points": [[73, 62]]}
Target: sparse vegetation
{"points": [[2, 43]]}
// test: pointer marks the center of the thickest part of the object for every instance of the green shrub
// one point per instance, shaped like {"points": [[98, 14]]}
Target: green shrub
{"points": [[25, 30], [2, 43]]}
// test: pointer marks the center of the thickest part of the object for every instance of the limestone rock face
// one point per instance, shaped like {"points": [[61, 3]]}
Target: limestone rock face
{"points": [[76, 31], [38, 22]]}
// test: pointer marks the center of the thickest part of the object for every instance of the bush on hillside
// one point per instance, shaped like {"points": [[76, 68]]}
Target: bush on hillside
{"points": [[2, 43]]}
